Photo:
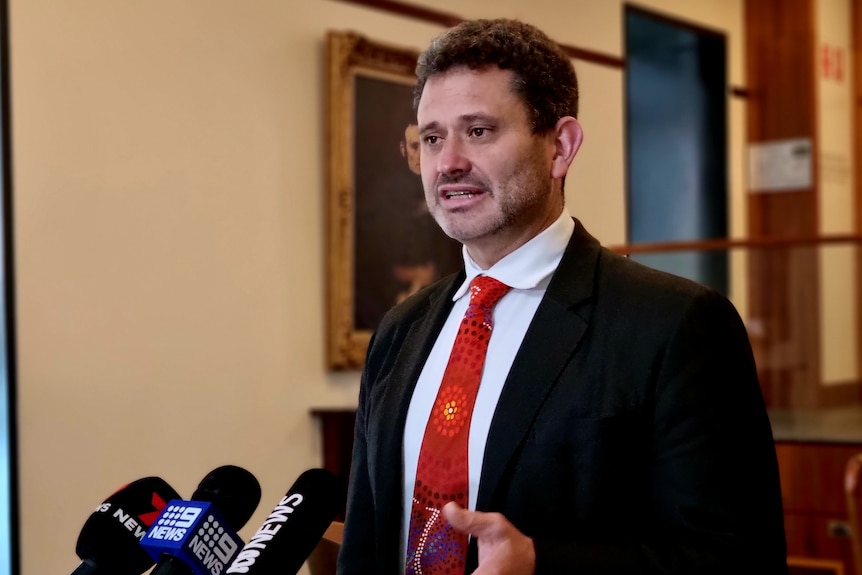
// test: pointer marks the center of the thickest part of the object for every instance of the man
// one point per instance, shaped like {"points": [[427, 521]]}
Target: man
{"points": [[618, 425], [410, 147], [424, 252]]}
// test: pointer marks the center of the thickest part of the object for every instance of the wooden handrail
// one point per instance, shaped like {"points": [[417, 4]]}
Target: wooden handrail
{"points": [[727, 244]]}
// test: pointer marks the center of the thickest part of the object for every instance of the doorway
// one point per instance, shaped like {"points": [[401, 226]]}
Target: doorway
{"points": [[676, 142]]}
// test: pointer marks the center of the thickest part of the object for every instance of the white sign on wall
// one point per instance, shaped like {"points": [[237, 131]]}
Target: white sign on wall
{"points": [[780, 165]]}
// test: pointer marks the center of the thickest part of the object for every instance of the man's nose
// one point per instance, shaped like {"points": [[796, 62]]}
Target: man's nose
{"points": [[452, 158]]}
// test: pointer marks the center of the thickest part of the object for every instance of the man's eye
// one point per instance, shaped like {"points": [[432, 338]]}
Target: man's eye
{"points": [[430, 139], [477, 132]]}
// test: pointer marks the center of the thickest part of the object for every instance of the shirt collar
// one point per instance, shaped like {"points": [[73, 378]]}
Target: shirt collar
{"points": [[531, 265]]}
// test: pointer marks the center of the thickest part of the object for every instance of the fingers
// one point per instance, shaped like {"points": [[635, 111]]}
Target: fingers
{"points": [[502, 548], [475, 523], [457, 516]]}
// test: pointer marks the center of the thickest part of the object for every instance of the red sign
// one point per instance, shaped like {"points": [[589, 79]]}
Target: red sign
{"points": [[832, 62]]}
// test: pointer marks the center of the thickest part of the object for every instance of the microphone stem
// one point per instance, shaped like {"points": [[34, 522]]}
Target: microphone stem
{"points": [[170, 565], [87, 567]]}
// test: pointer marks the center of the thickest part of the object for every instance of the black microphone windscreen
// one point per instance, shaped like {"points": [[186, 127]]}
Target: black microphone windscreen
{"points": [[234, 491], [110, 541], [288, 536]]}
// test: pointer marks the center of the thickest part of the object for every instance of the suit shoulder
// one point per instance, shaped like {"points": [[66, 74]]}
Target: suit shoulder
{"points": [[622, 271], [634, 286]]}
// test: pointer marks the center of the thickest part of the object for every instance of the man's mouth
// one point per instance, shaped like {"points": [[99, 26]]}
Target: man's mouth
{"points": [[454, 194], [461, 190]]}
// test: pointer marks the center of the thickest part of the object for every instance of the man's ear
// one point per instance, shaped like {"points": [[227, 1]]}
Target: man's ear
{"points": [[567, 140], [403, 149]]}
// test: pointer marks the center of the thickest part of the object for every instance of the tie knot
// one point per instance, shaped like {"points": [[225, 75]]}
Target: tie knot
{"points": [[485, 291]]}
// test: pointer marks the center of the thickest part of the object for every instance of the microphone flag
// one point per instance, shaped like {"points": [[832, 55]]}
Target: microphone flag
{"points": [[195, 533], [294, 527], [109, 542]]}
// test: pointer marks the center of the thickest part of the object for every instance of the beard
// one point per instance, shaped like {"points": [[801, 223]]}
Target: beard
{"points": [[520, 196]]}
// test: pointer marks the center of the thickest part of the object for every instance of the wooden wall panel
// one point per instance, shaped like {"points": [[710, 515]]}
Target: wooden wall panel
{"points": [[780, 52], [815, 512]]}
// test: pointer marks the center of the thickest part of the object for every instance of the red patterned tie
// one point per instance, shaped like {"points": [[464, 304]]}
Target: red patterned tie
{"points": [[433, 546]]}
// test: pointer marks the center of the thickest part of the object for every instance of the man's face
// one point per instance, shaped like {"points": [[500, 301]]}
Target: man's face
{"points": [[410, 147], [487, 177]]}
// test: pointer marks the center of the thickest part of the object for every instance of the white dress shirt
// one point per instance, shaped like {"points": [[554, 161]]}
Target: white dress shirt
{"points": [[528, 271]]}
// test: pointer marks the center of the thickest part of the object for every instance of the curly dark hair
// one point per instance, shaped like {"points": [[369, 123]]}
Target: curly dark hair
{"points": [[544, 78]]}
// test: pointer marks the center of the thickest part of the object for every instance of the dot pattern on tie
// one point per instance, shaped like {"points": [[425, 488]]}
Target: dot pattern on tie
{"points": [[433, 547]]}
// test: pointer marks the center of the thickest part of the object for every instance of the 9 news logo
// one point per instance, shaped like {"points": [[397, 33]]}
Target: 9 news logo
{"points": [[195, 533], [211, 534], [174, 522]]}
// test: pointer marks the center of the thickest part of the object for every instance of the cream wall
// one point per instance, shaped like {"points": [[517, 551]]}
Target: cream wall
{"points": [[169, 210], [838, 346]]}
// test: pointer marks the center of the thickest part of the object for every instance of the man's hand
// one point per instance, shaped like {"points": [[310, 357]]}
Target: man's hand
{"points": [[503, 550]]}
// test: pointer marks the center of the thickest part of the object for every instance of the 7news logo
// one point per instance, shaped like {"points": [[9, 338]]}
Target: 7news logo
{"points": [[136, 525]]}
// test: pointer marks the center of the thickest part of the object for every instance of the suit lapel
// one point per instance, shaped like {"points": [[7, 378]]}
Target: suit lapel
{"points": [[548, 345]]}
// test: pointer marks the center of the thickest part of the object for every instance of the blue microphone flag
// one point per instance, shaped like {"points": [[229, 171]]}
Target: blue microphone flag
{"points": [[195, 533]]}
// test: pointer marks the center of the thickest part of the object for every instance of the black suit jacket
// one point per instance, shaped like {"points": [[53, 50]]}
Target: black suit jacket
{"points": [[630, 436]]}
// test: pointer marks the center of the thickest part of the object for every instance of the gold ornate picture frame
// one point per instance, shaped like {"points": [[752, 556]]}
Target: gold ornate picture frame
{"points": [[382, 243]]}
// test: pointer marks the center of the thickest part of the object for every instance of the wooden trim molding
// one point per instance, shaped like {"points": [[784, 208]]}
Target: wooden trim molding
{"points": [[728, 244], [740, 92], [410, 11], [814, 566], [593, 56], [447, 20]]}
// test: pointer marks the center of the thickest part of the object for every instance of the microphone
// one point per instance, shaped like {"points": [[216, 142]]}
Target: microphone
{"points": [[288, 536], [109, 542], [235, 491], [198, 537]]}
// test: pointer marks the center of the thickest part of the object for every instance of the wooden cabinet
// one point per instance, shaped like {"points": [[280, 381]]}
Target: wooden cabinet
{"points": [[336, 430], [815, 514]]}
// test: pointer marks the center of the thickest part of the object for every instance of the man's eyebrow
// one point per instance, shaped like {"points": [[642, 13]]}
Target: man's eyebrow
{"points": [[477, 117], [465, 119], [428, 127]]}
